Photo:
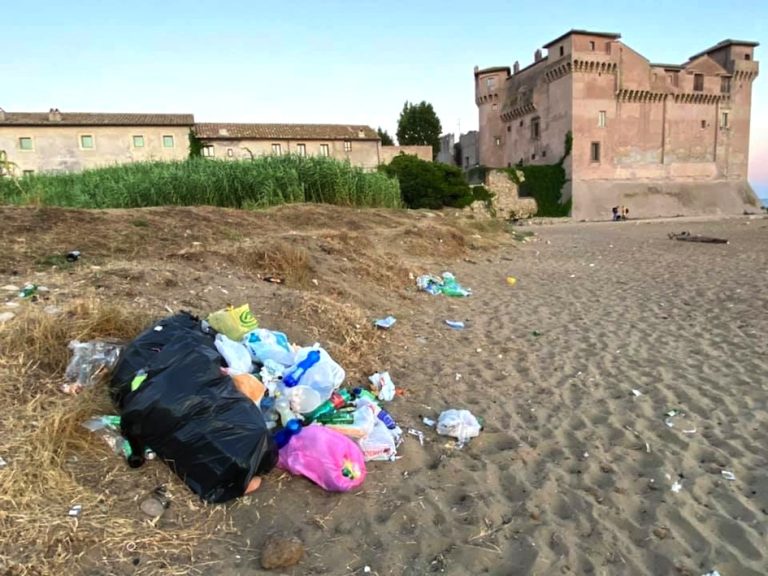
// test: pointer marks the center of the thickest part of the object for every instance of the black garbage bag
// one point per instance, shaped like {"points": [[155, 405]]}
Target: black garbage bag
{"points": [[193, 416]]}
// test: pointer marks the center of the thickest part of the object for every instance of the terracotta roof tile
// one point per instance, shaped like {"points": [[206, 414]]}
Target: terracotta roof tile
{"points": [[207, 131], [95, 119]]}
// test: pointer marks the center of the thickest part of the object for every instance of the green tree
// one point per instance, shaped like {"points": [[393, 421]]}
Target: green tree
{"points": [[419, 125], [428, 184], [386, 139]]}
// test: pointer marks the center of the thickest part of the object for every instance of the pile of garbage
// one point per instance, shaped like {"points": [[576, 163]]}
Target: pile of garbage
{"points": [[446, 285], [222, 401]]}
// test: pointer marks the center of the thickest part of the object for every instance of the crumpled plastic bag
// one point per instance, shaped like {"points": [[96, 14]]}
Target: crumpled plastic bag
{"points": [[89, 360], [235, 354], [446, 285], [326, 457], [234, 323], [324, 376], [461, 424], [267, 345], [382, 384], [381, 443]]}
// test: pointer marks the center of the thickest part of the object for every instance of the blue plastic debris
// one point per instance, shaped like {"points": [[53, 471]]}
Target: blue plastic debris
{"points": [[386, 323]]}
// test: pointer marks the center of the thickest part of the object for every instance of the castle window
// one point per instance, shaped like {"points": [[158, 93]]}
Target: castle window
{"points": [[747, 57], [466, 161], [562, 51], [494, 106], [592, 45], [521, 123], [490, 83], [601, 119], [698, 82], [533, 156], [703, 124], [724, 120], [509, 128], [594, 152], [498, 141], [543, 153], [725, 84], [535, 128]]}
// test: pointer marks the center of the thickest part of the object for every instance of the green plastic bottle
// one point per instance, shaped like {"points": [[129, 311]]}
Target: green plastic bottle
{"points": [[337, 400]]}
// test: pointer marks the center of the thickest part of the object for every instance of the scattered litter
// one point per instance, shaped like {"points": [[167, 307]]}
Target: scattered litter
{"points": [[386, 323], [234, 323], [458, 377], [712, 573], [428, 422], [89, 361], [728, 475], [236, 355], [3, 463], [418, 433], [536, 333], [268, 345], [10, 288], [156, 503], [446, 285], [691, 431], [28, 291], [274, 279], [74, 512], [511, 280], [73, 256], [676, 487], [688, 237], [455, 324], [367, 569], [669, 415], [382, 385], [636, 392], [460, 424]]}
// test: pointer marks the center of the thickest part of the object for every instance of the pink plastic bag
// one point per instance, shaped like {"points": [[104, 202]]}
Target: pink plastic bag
{"points": [[328, 458]]}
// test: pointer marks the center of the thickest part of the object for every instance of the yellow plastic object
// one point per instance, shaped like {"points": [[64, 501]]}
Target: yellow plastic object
{"points": [[511, 280], [234, 323]]}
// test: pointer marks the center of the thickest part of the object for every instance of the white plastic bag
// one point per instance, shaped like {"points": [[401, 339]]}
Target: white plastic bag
{"points": [[383, 386], [235, 354], [266, 345], [324, 376], [461, 424], [379, 444]]}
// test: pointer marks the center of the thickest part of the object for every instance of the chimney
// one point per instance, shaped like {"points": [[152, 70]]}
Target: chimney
{"points": [[54, 115], [2, 115], [516, 67], [537, 56]]}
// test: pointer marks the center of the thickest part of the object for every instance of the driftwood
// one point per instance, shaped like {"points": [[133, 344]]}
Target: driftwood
{"points": [[688, 237]]}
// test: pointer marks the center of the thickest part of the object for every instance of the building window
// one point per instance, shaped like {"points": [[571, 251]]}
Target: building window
{"points": [[724, 120], [562, 51], [466, 161], [543, 153], [25, 143], [509, 128], [703, 124], [207, 151], [747, 57], [86, 142], [494, 106], [324, 150], [698, 82], [521, 123], [168, 141], [230, 153], [277, 149], [490, 83], [533, 156], [594, 150], [138, 141], [592, 45], [301, 149], [498, 141], [725, 84], [535, 128], [27, 172], [347, 146], [601, 119]]}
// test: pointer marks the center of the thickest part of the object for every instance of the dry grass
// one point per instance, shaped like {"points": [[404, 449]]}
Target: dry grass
{"points": [[54, 463], [280, 259]]}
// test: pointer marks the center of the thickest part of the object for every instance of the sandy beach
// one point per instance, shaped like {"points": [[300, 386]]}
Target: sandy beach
{"points": [[609, 327]]}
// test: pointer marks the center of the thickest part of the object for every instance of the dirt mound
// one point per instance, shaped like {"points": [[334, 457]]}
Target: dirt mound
{"points": [[341, 268]]}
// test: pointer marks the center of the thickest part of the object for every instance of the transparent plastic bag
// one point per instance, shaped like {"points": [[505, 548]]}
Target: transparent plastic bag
{"points": [[324, 376], [267, 345], [89, 361], [380, 444], [461, 424], [236, 355]]}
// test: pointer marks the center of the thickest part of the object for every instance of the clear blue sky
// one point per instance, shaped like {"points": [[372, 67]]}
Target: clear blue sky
{"points": [[352, 61]]}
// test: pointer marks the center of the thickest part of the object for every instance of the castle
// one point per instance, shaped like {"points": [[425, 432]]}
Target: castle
{"points": [[661, 139]]}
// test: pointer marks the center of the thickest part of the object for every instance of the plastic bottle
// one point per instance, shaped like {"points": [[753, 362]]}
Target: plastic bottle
{"points": [[293, 377], [363, 423], [337, 418], [385, 417], [283, 408], [367, 394], [336, 401], [282, 437]]}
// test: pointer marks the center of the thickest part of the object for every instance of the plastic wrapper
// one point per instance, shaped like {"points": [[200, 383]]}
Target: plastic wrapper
{"points": [[380, 444], [265, 345], [212, 436], [326, 457], [234, 323], [382, 384], [461, 424], [324, 376], [89, 361]]}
